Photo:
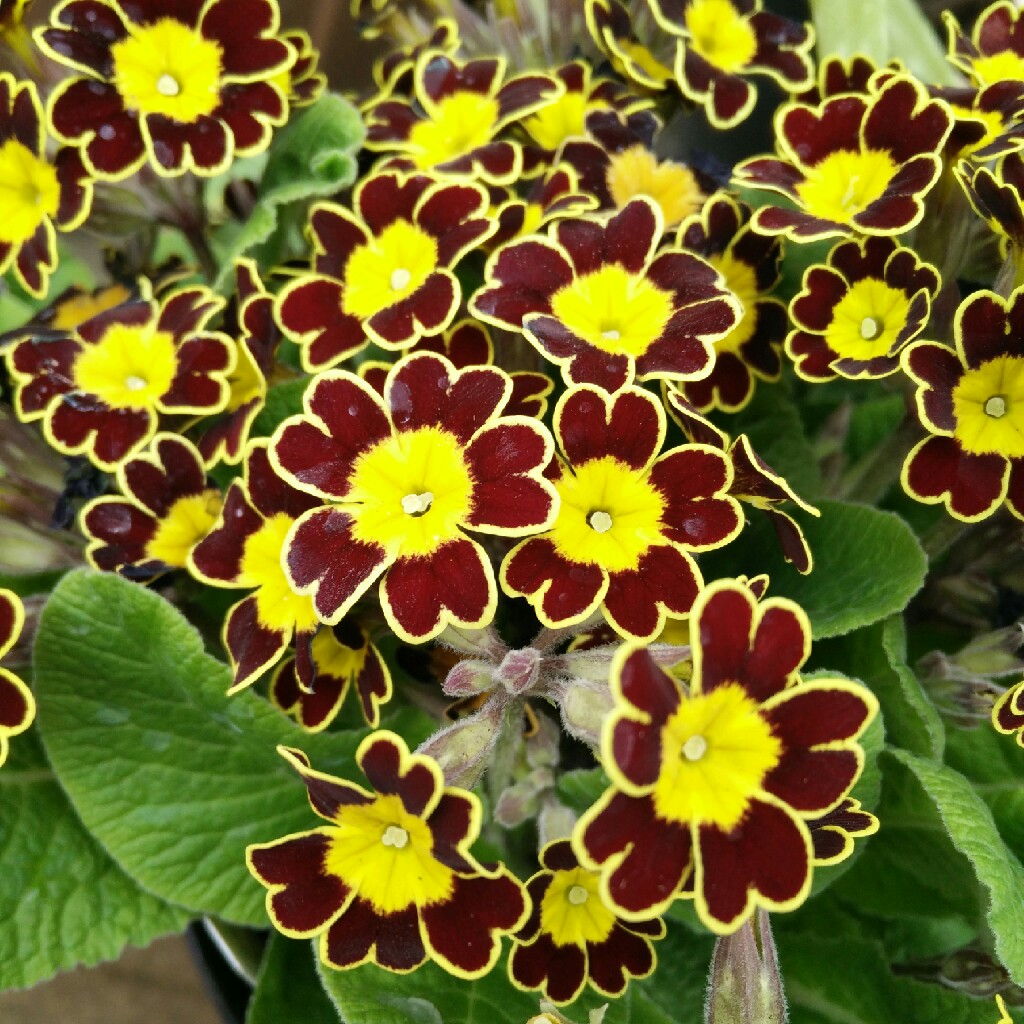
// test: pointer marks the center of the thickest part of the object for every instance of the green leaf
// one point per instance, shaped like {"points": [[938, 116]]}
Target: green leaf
{"points": [[848, 981], [173, 778], [877, 655], [973, 832], [314, 156], [882, 30], [283, 400], [63, 900], [288, 987], [867, 565]]}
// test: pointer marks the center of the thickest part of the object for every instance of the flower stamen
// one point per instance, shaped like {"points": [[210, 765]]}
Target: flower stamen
{"points": [[600, 521], [996, 407], [870, 328], [417, 504], [578, 896], [400, 278], [695, 748], [167, 85], [396, 836]]}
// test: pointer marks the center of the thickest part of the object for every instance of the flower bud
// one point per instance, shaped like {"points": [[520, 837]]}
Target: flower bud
{"points": [[746, 987], [464, 749], [467, 678], [519, 671], [585, 708]]}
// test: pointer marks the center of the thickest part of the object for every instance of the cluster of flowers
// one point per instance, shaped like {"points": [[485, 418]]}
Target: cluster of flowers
{"points": [[502, 325]]}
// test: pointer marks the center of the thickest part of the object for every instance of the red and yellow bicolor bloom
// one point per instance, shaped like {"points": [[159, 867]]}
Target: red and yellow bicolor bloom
{"points": [[343, 658], [183, 85], [855, 313], [994, 51], [997, 195], [394, 71], [637, 46], [17, 705], [749, 262], [572, 938], [101, 387], [402, 481], [166, 507], [389, 879], [383, 271], [256, 335], [987, 122], [832, 834], [853, 164], [552, 196], [598, 298], [565, 117], [38, 196], [1008, 713], [713, 783], [971, 402], [244, 551], [720, 42], [452, 122], [304, 82], [628, 517]]}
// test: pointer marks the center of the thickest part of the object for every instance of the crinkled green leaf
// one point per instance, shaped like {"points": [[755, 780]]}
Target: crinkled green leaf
{"points": [[288, 987], [882, 30], [974, 833], [848, 981], [63, 900], [314, 156], [174, 778], [867, 565]]}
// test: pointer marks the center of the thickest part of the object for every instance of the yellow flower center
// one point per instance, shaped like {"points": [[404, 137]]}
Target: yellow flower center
{"points": [[999, 67], [388, 268], [637, 172], [716, 751], [129, 367], [609, 515], [572, 911], [721, 34], [460, 123], [278, 607], [867, 320], [410, 492], [187, 522], [168, 68], [336, 659], [29, 192], [387, 856], [79, 308], [613, 310], [989, 407], [741, 280], [561, 120], [845, 183]]}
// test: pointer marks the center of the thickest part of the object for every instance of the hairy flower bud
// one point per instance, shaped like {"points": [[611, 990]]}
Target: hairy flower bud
{"points": [[746, 987]]}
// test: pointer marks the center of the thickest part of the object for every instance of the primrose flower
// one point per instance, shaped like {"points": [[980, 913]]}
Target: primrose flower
{"points": [[627, 520], [404, 478], [988, 122], [37, 195], [302, 83], [184, 86], [852, 164], [994, 51], [749, 262], [719, 42], [243, 551], [383, 273], [712, 785], [452, 122], [343, 658], [571, 937], [101, 387], [17, 705], [257, 337], [598, 299], [1008, 713], [552, 196], [972, 403], [390, 879], [166, 509], [585, 93], [997, 195], [855, 314], [633, 41]]}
